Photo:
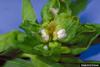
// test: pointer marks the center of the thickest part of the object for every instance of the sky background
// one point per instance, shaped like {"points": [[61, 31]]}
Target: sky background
{"points": [[10, 13], [10, 17]]}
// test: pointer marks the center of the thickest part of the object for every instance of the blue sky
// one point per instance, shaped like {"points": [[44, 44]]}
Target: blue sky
{"points": [[92, 12], [10, 13]]}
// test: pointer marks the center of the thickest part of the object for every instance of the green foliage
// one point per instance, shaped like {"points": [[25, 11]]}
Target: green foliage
{"points": [[59, 34], [46, 11], [28, 12], [7, 40], [18, 63], [78, 6], [34, 62]]}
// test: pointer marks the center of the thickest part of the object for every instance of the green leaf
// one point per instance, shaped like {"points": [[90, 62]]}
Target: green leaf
{"points": [[65, 50], [51, 49], [97, 26], [55, 48], [86, 34], [18, 63], [78, 6], [41, 62], [29, 28], [77, 50], [84, 37], [20, 36], [83, 42], [40, 50], [87, 28], [64, 7], [28, 12], [72, 30], [69, 23], [29, 42], [54, 44], [7, 40], [46, 13], [29, 24]]}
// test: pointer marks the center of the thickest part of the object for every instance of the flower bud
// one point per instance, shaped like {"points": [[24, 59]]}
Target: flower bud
{"points": [[61, 34], [54, 11], [45, 47], [44, 35]]}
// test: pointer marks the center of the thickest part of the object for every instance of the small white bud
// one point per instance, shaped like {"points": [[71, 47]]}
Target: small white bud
{"points": [[43, 31], [45, 47], [61, 34], [54, 11], [44, 35]]}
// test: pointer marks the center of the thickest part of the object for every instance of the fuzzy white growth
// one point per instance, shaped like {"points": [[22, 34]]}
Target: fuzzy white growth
{"points": [[45, 47], [61, 34], [45, 36], [54, 11]]}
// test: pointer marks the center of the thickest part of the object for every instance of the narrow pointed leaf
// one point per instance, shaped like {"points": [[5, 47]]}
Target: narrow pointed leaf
{"points": [[27, 11], [78, 6]]}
